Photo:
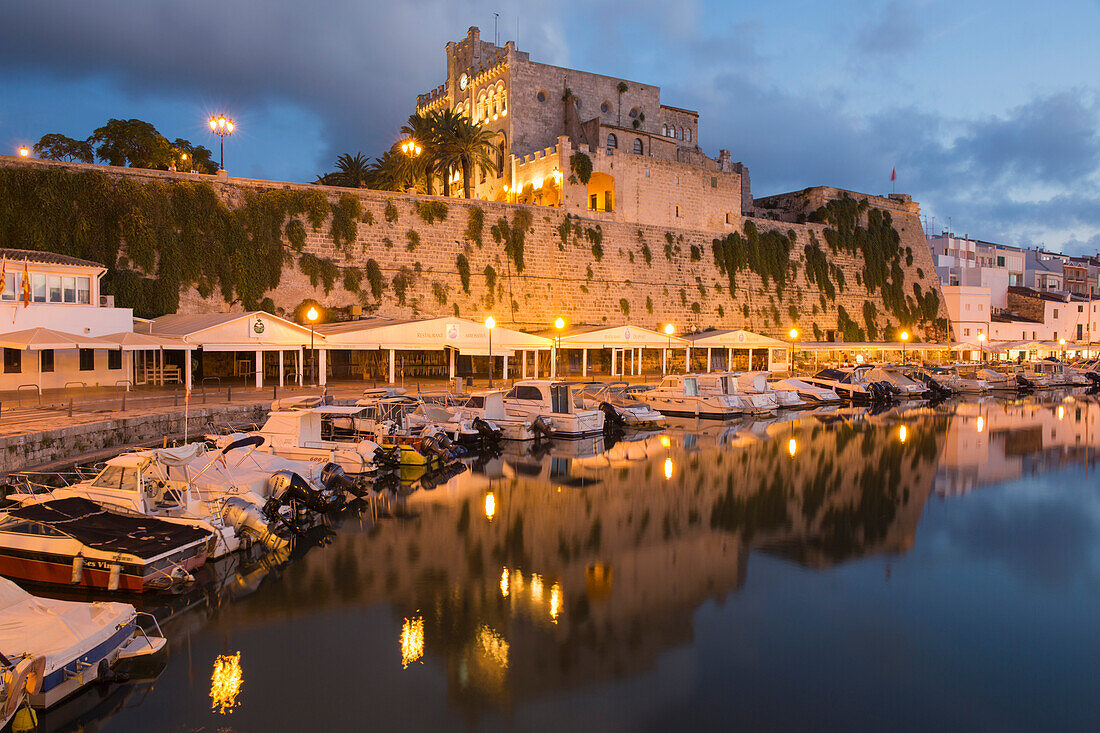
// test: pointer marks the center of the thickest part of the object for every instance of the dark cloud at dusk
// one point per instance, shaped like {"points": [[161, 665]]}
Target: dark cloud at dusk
{"points": [[988, 112]]}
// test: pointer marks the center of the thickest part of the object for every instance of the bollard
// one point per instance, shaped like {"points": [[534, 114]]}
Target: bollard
{"points": [[70, 407], [229, 393], [124, 402], [274, 391]]}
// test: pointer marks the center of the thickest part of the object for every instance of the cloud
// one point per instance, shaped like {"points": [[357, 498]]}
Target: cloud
{"points": [[896, 30]]}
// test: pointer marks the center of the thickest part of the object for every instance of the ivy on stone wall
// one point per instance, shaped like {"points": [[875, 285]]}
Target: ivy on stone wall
{"points": [[431, 211], [490, 284], [173, 233], [439, 292], [595, 236], [475, 224], [345, 221], [319, 270], [844, 323], [353, 279], [402, 281], [374, 277], [414, 240], [581, 166], [463, 266], [390, 213], [768, 255], [513, 236], [870, 312]]}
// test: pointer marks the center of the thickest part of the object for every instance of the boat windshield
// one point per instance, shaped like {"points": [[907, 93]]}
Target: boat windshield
{"points": [[117, 478], [691, 387]]}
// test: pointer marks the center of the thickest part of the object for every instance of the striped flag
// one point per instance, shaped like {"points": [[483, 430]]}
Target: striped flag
{"points": [[26, 286]]}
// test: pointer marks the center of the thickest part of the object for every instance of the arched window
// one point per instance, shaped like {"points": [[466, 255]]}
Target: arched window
{"points": [[681, 135], [612, 142], [689, 134], [664, 130], [503, 99], [638, 149]]}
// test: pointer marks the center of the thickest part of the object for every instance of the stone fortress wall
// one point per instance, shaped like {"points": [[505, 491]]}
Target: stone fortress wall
{"points": [[589, 271]]}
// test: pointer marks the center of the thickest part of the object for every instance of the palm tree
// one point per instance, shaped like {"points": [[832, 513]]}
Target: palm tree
{"points": [[352, 171], [621, 89], [390, 172], [467, 145], [424, 130], [444, 126]]}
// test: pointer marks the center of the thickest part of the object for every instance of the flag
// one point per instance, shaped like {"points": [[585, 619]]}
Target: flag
{"points": [[4, 273], [187, 397], [893, 174], [26, 286]]}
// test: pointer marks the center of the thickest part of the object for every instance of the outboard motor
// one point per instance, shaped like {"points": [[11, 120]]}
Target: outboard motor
{"points": [[286, 488], [1023, 382], [246, 519], [336, 480], [541, 429], [611, 416], [485, 430]]}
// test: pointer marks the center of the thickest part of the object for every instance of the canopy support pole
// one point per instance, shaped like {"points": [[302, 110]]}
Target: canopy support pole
{"points": [[322, 365], [281, 368], [451, 373], [584, 362], [186, 368], [259, 369], [393, 365]]}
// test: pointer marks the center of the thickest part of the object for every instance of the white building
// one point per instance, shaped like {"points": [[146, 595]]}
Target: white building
{"points": [[969, 310], [60, 306]]}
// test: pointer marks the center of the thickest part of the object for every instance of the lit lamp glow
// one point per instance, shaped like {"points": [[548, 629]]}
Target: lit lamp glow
{"points": [[792, 447], [24, 151], [903, 433], [412, 641], [490, 506], [904, 338], [669, 330], [559, 324], [980, 423], [981, 346], [221, 126], [668, 468]]}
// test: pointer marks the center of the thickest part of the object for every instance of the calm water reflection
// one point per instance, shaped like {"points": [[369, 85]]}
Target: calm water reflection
{"points": [[919, 568]]}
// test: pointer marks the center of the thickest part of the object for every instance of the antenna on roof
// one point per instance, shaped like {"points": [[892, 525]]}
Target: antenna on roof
{"points": [[496, 35]]}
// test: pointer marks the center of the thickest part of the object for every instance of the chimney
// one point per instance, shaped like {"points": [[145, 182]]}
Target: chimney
{"points": [[725, 161]]}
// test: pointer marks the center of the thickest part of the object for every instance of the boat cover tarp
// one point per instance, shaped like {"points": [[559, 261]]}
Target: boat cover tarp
{"points": [[94, 526], [58, 630]]}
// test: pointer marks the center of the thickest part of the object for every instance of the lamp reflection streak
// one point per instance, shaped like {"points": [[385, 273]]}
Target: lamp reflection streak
{"points": [[412, 641], [225, 683]]}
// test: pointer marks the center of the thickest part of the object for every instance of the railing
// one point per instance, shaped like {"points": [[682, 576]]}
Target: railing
{"points": [[202, 384], [35, 387]]}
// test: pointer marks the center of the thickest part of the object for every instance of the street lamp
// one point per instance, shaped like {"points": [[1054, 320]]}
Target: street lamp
{"points": [[221, 126], [490, 324], [669, 330], [183, 161], [311, 316], [1062, 343], [981, 347], [409, 147], [904, 338], [559, 324], [24, 151], [793, 333]]}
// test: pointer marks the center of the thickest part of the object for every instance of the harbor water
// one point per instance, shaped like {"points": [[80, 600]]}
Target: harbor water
{"points": [[923, 567]]}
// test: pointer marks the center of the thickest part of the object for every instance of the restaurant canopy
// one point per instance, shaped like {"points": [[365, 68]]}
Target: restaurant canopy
{"points": [[431, 334], [41, 339], [248, 331], [736, 339], [613, 337], [130, 341]]}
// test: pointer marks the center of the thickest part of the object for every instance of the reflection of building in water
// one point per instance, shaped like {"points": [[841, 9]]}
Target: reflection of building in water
{"points": [[554, 586], [989, 442]]}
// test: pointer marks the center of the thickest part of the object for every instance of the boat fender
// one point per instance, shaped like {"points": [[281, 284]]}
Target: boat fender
{"points": [[78, 569], [116, 573], [26, 720]]}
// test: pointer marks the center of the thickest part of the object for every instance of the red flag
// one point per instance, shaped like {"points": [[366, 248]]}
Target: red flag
{"points": [[26, 286], [893, 174]]}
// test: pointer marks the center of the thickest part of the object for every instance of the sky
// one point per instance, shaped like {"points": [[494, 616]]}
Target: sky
{"points": [[989, 111]]}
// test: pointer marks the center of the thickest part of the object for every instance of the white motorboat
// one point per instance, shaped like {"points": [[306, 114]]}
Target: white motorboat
{"points": [[851, 383], [902, 385], [68, 644], [810, 393], [680, 396], [489, 406], [618, 406], [727, 385], [752, 384], [225, 491], [554, 408], [948, 378]]}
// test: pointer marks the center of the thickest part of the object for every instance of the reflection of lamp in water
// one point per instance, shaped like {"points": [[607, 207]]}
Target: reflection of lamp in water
{"points": [[225, 683], [903, 433], [668, 468], [666, 441], [792, 447], [504, 583], [981, 423], [490, 506], [412, 640], [555, 602], [493, 646], [536, 587], [1061, 411]]}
